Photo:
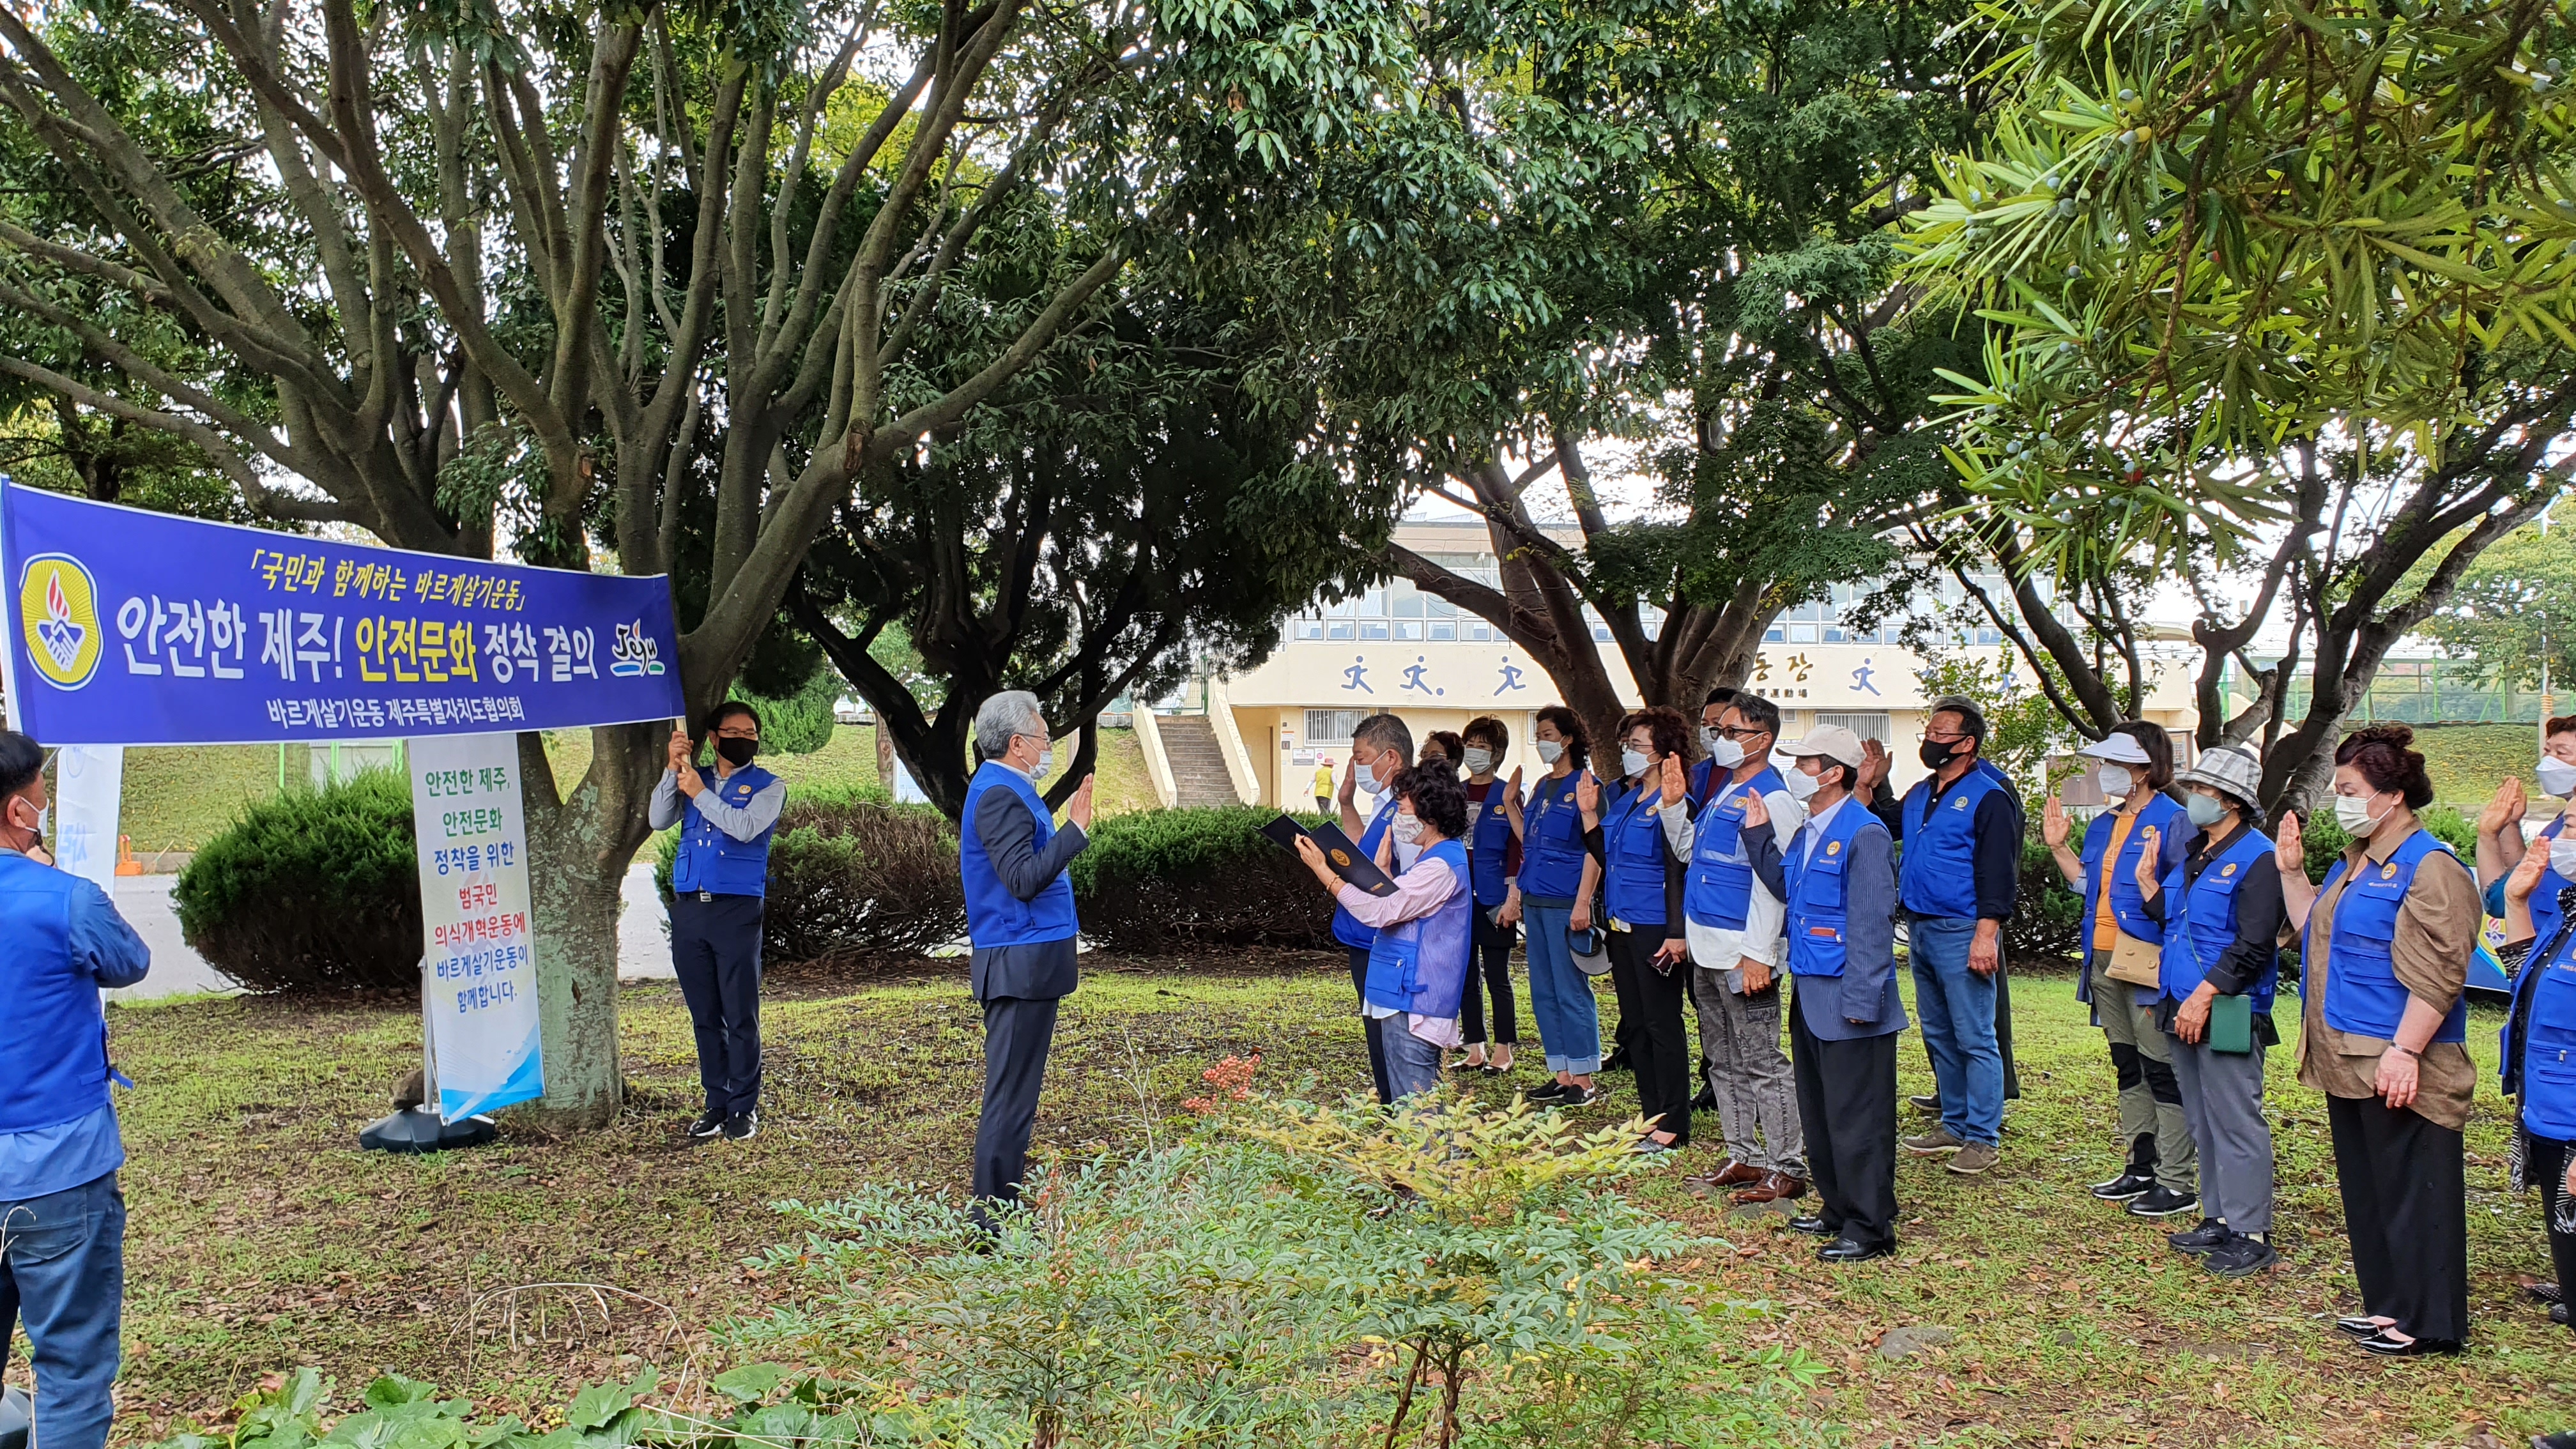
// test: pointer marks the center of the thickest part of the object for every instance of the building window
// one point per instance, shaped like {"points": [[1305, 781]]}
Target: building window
{"points": [[1372, 628], [1872, 726], [1480, 631], [1332, 726], [1310, 628], [1802, 633], [1406, 600], [1444, 629], [1776, 634], [1342, 629], [1409, 630]]}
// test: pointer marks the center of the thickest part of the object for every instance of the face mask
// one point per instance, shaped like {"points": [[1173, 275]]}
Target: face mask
{"points": [[1549, 750], [2203, 810], [1726, 753], [1046, 761], [2113, 779], [1632, 763], [1408, 828], [1479, 761], [2562, 857], [2352, 812], [737, 753], [2557, 777], [1802, 786], [1936, 753], [1370, 783]]}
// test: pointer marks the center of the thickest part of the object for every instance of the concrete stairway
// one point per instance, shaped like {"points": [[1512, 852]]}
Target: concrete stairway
{"points": [[1198, 766]]}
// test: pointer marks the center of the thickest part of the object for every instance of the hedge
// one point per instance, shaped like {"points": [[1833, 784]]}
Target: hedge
{"points": [[1160, 881], [852, 875], [311, 889]]}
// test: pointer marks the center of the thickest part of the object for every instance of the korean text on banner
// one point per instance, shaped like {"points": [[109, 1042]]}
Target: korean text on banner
{"points": [[89, 783], [481, 977], [137, 628]]}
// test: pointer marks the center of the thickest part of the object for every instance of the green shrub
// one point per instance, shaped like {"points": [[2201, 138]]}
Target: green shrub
{"points": [[1160, 881], [800, 723], [311, 889], [852, 876], [2326, 839], [2048, 914]]}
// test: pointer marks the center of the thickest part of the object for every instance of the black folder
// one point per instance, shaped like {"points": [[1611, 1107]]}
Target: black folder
{"points": [[1346, 858]]}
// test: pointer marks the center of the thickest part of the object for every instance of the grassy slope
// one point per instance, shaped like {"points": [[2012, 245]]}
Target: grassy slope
{"points": [[2466, 761], [259, 1238]]}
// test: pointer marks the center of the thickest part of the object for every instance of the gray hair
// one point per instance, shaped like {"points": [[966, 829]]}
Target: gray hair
{"points": [[1011, 712], [1386, 732]]}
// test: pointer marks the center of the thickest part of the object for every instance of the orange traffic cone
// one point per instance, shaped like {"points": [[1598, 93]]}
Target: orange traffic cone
{"points": [[126, 864]]}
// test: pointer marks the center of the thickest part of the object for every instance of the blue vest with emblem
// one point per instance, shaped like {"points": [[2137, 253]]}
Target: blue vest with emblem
{"points": [[2128, 907], [1489, 842], [2545, 917], [712, 861], [2363, 995], [1721, 875], [1552, 842], [1937, 872], [2204, 926], [2540, 1068], [1819, 883], [1420, 966], [53, 1054], [1346, 927], [994, 916], [1632, 850]]}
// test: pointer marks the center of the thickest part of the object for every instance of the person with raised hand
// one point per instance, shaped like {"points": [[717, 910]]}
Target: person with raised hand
{"points": [[1418, 956], [2500, 843], [727, 813], [1643, 880], [1551, 899], [1381, 749], [2539, 1057], [1493, 858]]}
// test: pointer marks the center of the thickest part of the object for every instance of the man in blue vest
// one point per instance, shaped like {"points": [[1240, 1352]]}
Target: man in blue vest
{"points": [[1020, 921], [1381, 747], [718, 884], [62, 1220], [1957, 873]]}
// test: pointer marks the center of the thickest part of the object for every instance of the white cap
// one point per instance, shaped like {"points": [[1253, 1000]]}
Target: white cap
{"points": [[1831, 741], [2119, 746]]}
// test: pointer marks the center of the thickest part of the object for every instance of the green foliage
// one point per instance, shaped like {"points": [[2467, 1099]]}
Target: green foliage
{"points": [[2514, 611], [852, 876], [1158, 881], [2048, 914], [2024, 728], [311, 889], [2326, 840], [799, 723]]}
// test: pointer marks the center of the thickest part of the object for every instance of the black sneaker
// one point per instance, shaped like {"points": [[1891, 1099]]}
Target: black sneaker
{"points": [[742, 1126], [1577, 1095], [1931, 1106], [2241, 1255], [2210, 1234], [2163, 1202], [1546, 1093], [2130, 1183], [709, 1123]]}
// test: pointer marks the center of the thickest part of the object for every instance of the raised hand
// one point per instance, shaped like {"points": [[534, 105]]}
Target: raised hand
{"points": [[2289, 847], [2506, 807], [1078, 809], [2526, 875], [2149, 858], [1676, 784], [1873, 766], [1587, 793], [2053, 827], [1755, 812]]}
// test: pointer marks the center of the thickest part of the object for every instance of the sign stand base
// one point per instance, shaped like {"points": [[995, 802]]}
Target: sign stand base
{"points": [[417, 1129]]}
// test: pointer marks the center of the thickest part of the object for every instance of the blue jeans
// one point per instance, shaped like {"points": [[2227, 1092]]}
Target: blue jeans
{"points": [[1412, 1064], [1956, 1009], [1569, 1019], [62, 1270]]}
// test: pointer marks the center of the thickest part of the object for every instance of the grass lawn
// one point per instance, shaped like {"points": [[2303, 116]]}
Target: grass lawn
{"points": [[2466, 761], [261, 1239]]}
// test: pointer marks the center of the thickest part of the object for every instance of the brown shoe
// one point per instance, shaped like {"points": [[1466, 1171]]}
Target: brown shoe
{"points": [[1774, 1187], [1735, 1174]]}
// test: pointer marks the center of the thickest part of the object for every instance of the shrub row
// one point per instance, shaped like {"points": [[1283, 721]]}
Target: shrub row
{"points": [[311, 890], [853, 875]]}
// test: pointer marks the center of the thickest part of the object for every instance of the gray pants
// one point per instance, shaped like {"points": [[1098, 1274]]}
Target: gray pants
{"points": [[2222, 1098], [2150, 1100], [1757, 1095]]}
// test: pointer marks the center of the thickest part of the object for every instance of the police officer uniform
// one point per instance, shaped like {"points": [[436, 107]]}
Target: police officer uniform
{"points": [[719, 882]]}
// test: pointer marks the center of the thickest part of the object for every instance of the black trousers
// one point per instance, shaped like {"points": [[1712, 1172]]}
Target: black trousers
{"points": [[1493, 961], [1018, 1032], [2405, 1207], [1658, 1043], [1847, 1104], [715, 951], [1372, 1025], [2545, 1162]]}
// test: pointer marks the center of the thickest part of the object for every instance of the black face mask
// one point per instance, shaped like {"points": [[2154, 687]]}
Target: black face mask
{"points": [[1937, 753], [737, 753]]}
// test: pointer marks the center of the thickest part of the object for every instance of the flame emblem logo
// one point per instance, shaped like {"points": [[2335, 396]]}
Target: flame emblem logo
{"points": [[58, 619]]}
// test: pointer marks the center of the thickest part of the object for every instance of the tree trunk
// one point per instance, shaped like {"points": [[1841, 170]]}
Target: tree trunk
{"points": [[579, 848]]}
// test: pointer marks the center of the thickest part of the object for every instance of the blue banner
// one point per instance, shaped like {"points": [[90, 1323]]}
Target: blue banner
{"points": [[137, 628]]}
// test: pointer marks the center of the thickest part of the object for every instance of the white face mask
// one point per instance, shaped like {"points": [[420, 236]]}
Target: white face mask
{"points": [[1046, 761], [1479, 761], [1632, 763], [1802, 786], [2557, 777], [1726, 754], [2115, 779], [2562, 857], [1549, 750], [2352, 812], [1408, 828], [1369, 782]]}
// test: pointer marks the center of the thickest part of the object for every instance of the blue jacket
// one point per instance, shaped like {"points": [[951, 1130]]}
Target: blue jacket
{"points": [[2200, 932], [2544, 896], [2538, 1062], [996, 915], [1551, 843], [1721, 870], [1634, 856], [1420, 966], [65, 941], [1937, 876], [1841, 920], [712, 861], [1346, 927], [2174, 831], [2363, 995], [1489, 843]]}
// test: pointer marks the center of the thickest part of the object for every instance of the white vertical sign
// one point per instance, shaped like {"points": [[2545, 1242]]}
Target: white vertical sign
{"points": [[89, 782], [479, 977]]}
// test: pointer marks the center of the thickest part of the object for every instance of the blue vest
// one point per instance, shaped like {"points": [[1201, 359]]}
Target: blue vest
{"points": [[53, 1053], [1721, 875], [710, 860], [2541, 1068], [2128, 907], [1819, 901], [2545, 918], [1937, 873], [1346, 927], [994, 916], [1420, 966], [2363, 994], [1489, 840], [1552, 842], [2200, 921], [1632, 850]]}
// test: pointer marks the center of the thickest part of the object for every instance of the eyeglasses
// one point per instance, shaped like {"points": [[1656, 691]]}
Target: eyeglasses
{"points": [[737, 734], [1741, 732], [1945, 737]]}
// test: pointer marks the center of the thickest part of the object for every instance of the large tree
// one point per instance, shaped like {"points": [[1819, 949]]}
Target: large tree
{"points": [[495, 268]]}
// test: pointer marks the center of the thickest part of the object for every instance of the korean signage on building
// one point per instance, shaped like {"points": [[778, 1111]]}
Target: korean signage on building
{"points": [[130, 627], [479, 978]]}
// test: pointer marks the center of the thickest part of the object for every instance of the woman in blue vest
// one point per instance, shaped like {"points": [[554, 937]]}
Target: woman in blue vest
{"points": [[1381, 748], [2133, 764], [1551, 898], [2221, 913], [1417, 966], [2385, 946], [2500, 843], [1493, 858], [2539, 1056], [1649, 946]]}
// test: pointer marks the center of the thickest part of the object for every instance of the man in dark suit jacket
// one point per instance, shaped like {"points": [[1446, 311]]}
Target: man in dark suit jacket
{"points": [[1020, 920]]}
